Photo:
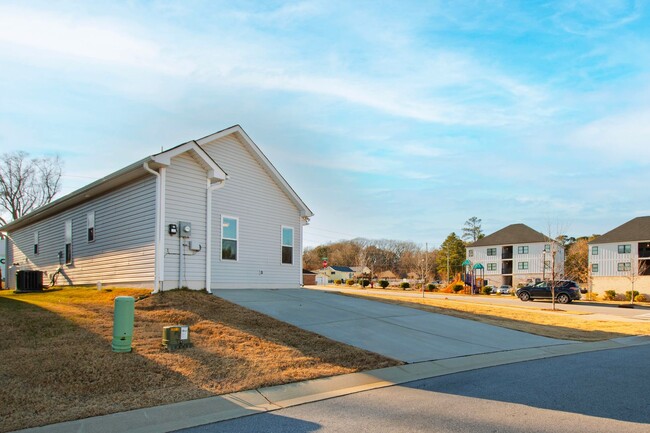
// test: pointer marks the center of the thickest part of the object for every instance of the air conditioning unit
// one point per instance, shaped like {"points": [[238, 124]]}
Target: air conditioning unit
{"points": [[176, 337]]}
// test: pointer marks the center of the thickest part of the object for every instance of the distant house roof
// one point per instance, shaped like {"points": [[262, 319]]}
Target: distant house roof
{"points": [[342, 268], [512, 234], [386, 274], [637, 229]]}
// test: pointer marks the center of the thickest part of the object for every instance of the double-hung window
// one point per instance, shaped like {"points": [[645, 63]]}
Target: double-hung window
{"points": [[229, 238], [68, 242], [594, 267], [36, 243], [491, 251], [624, 266], [287, 245], [624, 249], [90, 226], [594, 251], [522, 265], [522, 249]]}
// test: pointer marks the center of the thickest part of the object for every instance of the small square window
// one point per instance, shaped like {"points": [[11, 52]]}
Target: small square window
{"points": [[594, 251], [594, 267], [547, 248], [470, 253]]}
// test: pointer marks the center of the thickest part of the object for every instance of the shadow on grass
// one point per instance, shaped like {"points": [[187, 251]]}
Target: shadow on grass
{"points": [[55, 370]]}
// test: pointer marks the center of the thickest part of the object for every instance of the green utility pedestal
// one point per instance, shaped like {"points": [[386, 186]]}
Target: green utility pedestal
{"points": [[123, 323]]}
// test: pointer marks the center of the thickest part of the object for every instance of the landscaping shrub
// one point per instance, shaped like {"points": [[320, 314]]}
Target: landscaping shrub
{"points": [[432, 287], [404, 285], [457, 288], [338, 282], [364, 282], [641, 298], [591, 297], [383, 283], [350, 282], [628, 295], [486, 290], [609, 295]]}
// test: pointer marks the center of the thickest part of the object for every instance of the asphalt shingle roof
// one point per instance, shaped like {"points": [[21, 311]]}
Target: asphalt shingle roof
{"points": [[512, 234], [637, 229]]}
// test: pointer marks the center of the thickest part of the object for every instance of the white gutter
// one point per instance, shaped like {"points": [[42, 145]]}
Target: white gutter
{"points": [[157, 237], [208, 232]]}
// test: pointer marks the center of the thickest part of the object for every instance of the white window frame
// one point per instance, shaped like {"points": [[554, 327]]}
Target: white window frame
{"points": [[523, 249], [282, 245], [520, 266], [67, 259], [90, 225], [229, 239]]}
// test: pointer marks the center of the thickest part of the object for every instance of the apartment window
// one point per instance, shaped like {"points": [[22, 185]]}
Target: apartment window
{"points": [[90, 224], [491, 266], [522, 250], [522, 265], [547, 248], [470, 253], [594, 267], [594, 251], [287, 245], [36, 243], [624, 266], [229, 238], [624, 249], [547, 265], [68, 242], [491, 251]]}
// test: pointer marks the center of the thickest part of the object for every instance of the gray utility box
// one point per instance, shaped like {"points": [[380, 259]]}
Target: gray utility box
{"points": [[176, 337]]}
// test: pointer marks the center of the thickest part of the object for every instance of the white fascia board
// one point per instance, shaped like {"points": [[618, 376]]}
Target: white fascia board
{"points": [[215, 173]]}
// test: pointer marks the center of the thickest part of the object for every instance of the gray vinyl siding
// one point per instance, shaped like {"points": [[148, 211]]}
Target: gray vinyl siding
{"points": [[123, 249], [252, 196], [185, 200]]}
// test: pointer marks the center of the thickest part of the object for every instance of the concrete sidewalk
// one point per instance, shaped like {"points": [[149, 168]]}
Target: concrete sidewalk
{"points": [[402, 333], [194, 413]]}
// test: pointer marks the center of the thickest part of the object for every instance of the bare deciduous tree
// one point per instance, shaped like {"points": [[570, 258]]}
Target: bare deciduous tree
{"points": [[27, 183]]}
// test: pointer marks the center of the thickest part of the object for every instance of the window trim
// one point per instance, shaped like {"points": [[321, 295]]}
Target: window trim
{"points": [[67, 244], [236, 259], [282, 245], [90, 227], [36, 243]]}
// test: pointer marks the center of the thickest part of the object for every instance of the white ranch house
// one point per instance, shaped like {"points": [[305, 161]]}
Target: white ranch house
{"points": [[515, 255], [211, 213], [621, 257]]}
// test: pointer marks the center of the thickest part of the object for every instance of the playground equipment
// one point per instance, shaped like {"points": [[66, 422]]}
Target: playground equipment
{"points": [[455, 282]]}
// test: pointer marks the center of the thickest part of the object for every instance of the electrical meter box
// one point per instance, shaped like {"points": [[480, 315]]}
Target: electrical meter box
{"points": [[184, 229], [176, 337]]}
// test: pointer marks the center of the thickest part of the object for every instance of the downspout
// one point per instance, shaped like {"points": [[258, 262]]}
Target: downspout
{"points": [[208, 232], [157, 240]]}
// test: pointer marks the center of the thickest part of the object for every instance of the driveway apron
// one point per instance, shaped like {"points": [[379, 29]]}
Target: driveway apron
{"points": [[401, 333]]}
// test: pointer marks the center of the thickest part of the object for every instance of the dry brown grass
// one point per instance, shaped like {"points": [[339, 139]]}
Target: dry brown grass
{"points": [[566, 325], [56, 362]]}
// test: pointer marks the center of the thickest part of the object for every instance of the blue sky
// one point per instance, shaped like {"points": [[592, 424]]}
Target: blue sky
{"points": [[390, 119]]}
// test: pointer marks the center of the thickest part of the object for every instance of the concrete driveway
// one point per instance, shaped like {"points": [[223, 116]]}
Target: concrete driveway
{"points": [[401, 333]]}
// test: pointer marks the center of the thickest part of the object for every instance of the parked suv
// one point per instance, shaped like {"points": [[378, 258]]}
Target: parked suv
{"points": [[565, 291]]}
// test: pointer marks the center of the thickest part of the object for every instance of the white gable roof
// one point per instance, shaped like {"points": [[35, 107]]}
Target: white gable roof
{"points": [[263, 161], [162, 159]]}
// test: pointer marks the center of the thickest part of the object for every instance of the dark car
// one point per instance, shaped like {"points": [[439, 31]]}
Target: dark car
{"points": [[565, 291]]}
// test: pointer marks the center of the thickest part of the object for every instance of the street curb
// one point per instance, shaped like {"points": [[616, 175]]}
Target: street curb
{"points": [[199, 412]]}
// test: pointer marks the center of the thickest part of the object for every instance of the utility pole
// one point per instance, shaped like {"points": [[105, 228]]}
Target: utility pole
{"points": [[426, 267]]}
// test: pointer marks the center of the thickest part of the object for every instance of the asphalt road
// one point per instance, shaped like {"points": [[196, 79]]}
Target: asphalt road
{"points": [[593, 392], [640, 312]]}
